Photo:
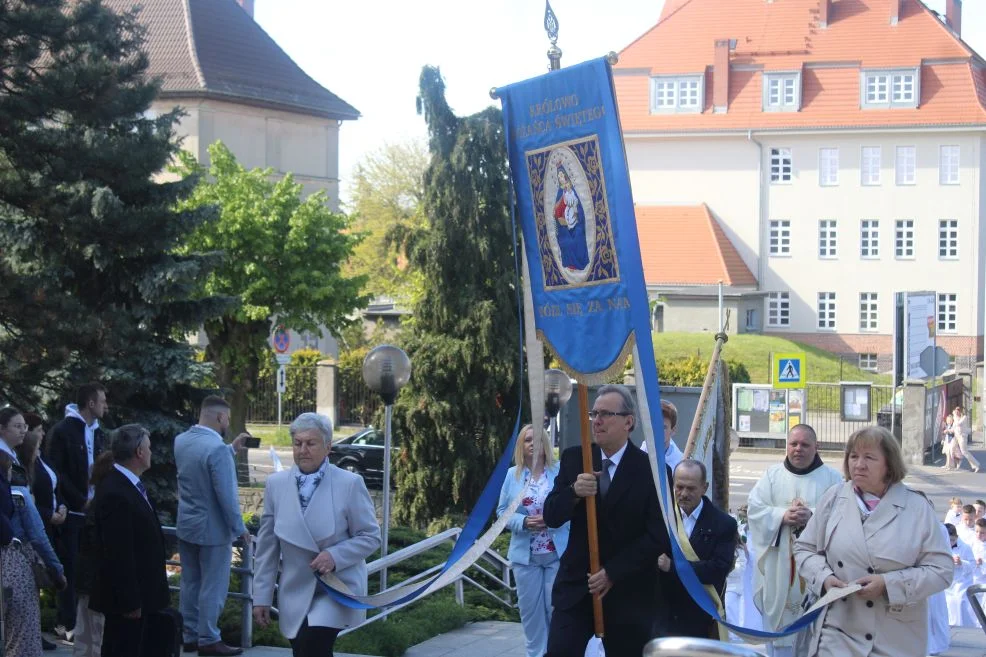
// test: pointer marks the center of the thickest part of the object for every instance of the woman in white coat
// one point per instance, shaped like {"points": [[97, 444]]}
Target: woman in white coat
{"points": [[317, 519], [856, 535], [535, 549]]}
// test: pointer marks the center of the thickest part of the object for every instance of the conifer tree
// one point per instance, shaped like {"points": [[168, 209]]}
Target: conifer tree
{"points": [[92, 287], [456, 414]]}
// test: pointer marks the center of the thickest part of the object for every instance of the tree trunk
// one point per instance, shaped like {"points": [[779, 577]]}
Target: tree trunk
{"points": [[236, 347]]}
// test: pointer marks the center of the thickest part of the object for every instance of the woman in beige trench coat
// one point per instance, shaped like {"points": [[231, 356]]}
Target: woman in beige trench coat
{"points": [[874, 531]]}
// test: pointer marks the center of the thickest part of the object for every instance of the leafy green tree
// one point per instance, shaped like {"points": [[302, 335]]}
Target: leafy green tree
{"points": [[92, 287], [388, 195], [283, 257], [456, 414]]}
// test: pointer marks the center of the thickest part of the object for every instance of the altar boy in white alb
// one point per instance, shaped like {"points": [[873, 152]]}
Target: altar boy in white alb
{"points": [[780, 505]]}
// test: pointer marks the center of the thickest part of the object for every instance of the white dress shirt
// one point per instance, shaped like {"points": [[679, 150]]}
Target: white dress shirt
{"points": [[135, 480], [614, 460], [692, 518]]}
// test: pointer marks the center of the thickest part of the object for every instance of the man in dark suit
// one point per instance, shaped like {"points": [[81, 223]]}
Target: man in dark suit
{"points": [[130, 585], [73, 445], [712, 535], [631, 536]]}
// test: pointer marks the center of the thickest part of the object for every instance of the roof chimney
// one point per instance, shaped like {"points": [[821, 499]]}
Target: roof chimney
{"points": [[953, 15], [720, 76], [894, 11], [824, 7], [247, 6]]}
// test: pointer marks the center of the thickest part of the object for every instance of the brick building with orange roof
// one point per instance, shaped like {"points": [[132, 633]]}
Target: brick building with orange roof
{"points": [[836, 147]]}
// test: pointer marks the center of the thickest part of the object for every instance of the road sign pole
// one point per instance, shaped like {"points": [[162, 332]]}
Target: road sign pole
{"points": [[282, 382]]}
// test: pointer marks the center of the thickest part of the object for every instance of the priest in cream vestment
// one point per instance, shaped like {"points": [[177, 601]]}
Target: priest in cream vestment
{"points": [[779, 507]]}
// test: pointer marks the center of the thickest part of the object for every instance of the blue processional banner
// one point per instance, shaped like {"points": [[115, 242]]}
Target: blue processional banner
{"points": [[586, 279], [576, 213]]}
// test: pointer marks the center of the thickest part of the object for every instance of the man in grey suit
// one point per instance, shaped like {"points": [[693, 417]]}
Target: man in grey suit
{"points": [[209, 520]]}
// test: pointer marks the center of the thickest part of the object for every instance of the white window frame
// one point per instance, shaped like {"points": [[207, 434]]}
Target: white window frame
{"points": [[869, 362], [869, 239], [778, 168], [947, 315], [828, 167], [781, 91], [904, 239], [828, 239], [949, 164], [948, 239], [779, 242], [826, 311], [869, 319], [866, 174], [905, 165], [890, 88], [677, 88], [778, 313]]}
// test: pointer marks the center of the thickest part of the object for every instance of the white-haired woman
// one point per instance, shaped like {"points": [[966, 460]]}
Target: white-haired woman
{"points": [[317, 519], [535, 549]]}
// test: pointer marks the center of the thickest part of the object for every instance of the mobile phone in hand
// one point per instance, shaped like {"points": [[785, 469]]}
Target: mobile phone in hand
{"points": [[252, 442]]}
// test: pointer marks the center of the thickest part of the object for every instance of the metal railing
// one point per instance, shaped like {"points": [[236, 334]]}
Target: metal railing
{"points": [[491, 565], [822, 405], [689, 647], [246, 586], [490, 557], [977, 608]]}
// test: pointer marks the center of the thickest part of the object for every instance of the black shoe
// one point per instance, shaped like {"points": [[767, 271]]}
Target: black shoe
{"points": [[47, 645], [191, 646], [219, 649]]}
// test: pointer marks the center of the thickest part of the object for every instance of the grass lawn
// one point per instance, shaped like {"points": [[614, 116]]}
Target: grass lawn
{"points": [[270, 434], [753, 351]]}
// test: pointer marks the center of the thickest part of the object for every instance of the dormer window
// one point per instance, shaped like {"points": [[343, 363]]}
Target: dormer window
{"points": [[893, 88], [781, 92], [677, 93]]}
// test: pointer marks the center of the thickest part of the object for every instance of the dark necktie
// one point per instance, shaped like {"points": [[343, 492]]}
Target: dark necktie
{"points": [[143, 491], [604, 480]]}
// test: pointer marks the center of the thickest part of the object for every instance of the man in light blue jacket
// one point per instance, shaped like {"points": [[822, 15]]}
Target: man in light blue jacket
{"points": [[209, 520]]}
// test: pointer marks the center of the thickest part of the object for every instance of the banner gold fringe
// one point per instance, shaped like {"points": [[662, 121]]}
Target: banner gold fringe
{"points": [[593, 378]]}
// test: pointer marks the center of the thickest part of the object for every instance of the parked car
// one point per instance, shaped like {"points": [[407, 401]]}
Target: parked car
{"points": [[362, 453]]}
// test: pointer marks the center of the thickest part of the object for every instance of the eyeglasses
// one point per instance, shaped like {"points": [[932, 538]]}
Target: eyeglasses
{"points": [[605, 414]]}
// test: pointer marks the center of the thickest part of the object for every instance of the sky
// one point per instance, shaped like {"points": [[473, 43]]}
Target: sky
{"points": [[370, 53]]}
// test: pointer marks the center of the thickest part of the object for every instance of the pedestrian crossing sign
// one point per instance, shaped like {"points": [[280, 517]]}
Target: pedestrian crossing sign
{"points": [[788, 370]]}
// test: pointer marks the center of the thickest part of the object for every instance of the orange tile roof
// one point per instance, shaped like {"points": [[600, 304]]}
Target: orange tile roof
{"points": [[784, 35], [685, 245]]}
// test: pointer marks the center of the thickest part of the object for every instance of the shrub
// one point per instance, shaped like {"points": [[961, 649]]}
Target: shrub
{"points": [[436, 614]]}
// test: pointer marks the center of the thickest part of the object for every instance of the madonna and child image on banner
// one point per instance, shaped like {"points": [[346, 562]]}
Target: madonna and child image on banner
{"points": [[575, 235]]}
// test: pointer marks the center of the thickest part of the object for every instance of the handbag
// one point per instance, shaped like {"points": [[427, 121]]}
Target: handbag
{"points": [[42, 575]]}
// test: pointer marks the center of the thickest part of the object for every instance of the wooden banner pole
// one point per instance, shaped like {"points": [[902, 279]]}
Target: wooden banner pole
{"points": [[590, 506]]}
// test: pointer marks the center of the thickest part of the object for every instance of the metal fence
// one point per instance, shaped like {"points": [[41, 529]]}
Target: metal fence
{"points": [[300, 396], [822, 413], [355, 402]]}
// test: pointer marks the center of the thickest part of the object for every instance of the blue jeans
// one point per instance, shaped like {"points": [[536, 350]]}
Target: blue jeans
{"points": [[534, 583], [204, 585]]}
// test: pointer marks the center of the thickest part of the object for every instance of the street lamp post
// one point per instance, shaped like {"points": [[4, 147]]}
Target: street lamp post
{"points": [[557, 392], [386, 369]]}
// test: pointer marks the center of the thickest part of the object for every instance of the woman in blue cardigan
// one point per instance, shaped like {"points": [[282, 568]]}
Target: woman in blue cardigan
{"points": [[535, 548]]}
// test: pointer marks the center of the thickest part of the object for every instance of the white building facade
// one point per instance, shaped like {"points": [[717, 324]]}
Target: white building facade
{"points": [[842, 171]]}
